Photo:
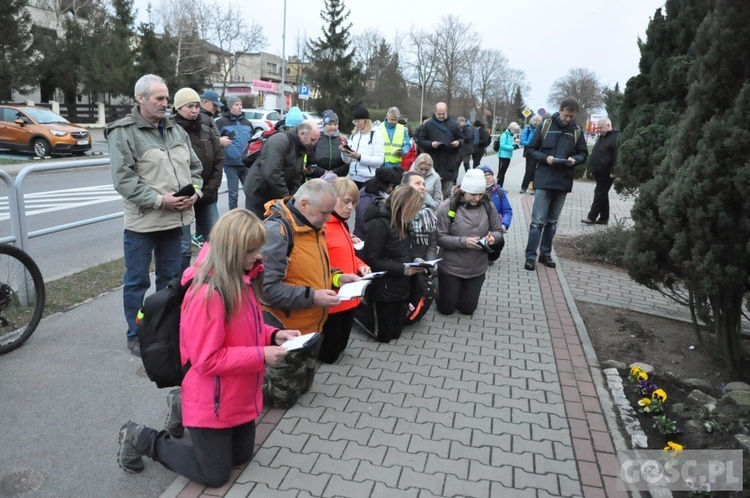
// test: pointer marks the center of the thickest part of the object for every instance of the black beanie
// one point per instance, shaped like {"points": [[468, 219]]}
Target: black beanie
{"points": [[361, 113]]}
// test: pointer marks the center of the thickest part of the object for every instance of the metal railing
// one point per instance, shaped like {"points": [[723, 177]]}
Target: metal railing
{"points": [[17, 205]]}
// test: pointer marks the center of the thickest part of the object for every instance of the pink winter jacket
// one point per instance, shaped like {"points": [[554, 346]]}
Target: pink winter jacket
{"points": [[222, 388]]}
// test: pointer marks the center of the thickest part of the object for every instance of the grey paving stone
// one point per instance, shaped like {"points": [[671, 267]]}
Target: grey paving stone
{"points": [[558, 422], [483, 424], [358, 393], [314, 484], [405, 413], [569, 487], [396, 458], [522, 416], [335, 466], [406, 427], [428, 380], [497, 489], [466, 409], [264, 491], [547, 482], [385, 424], [366, 471], [382, 491], [255, 472], [544, 385], [411, 401], [374, 385], [415, 369], [319, 445], [460, 434], [545, 433], [530, 373], [338, 379], [341, 417], [368, 373], [407, 388], [461, 487], [240, 490], [438, 393], [456, 468], [563, 451], [521, 445], [339, 487], [477, 399], [396, 399], [293, 442], [461, 385], [473, 453], [491, 387], [328, 401], [438, 372], [381, 438], [305, 426], [373, 409], [430, 415], [510, 402], [500, 426], [544, 465], [545, 407], [294, 460], [492, 441], [307, 412], [357, 435], [450, 355], [372, 454], [419, 444], [479, 471], [287, 425], [411, 479]]}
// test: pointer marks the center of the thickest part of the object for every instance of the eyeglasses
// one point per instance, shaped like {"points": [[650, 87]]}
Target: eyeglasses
{"points": [[356, 121]]}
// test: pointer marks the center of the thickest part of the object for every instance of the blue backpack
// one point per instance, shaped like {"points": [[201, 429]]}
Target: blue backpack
{"points": [[475, 139]]}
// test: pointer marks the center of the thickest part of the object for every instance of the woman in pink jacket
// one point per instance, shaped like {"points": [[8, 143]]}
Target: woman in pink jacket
{"points": [[223, 336]]}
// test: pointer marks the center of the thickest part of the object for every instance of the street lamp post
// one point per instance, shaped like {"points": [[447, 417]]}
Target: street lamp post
{"points": [[283, 64]]}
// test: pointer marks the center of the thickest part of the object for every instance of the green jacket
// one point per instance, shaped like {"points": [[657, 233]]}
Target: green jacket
{"points": [[146, 166]]}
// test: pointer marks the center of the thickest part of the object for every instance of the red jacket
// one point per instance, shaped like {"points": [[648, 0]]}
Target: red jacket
{"points": [[342, 256], [222, 389]]}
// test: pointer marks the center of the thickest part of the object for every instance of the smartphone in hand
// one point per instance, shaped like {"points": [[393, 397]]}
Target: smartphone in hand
{"points": [[347, 148]]}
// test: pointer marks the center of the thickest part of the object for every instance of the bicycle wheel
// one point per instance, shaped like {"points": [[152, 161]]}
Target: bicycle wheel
{"points": [[21, 297]]}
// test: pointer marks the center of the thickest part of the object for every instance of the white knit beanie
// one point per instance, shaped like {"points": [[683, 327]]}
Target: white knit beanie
{"points": [[473, 182]]}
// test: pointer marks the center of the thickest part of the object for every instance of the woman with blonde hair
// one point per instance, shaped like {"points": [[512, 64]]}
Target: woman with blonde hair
{"points": [[365, 151], [388, 248], [338, 325], [423, 165], [227, 345]]}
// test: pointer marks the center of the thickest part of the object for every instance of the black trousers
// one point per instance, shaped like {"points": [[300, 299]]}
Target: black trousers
{"points": [[209, 460], [496, 250], [336, 332], [600, 205], [502, 168], [457, 293], [477, 157], [528, 176], [390, 316]]}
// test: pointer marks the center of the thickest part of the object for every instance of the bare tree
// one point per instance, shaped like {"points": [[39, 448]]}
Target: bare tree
{"points": [[503, 93], [490, 68], [581, 84], [367, 44], [420, 60], [453, 50], [233, 35], [179, 20]]}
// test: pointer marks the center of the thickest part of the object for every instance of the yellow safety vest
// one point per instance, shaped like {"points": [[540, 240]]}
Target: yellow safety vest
{"points": [[392, 146]]}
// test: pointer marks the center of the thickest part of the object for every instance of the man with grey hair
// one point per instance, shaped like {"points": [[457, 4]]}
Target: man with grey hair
{"points": [[440, 138], [277, 173], [602, 166], [395, 137], [298, 280], [526, 136], [152, 163]]}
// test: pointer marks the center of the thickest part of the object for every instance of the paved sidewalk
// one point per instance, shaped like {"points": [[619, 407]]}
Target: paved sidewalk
{"points": [[507, 402]]}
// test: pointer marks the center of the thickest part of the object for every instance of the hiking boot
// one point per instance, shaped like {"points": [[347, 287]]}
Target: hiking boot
{"points": [[173, 425], [127, 456], [529, 265], [587, 221], [135, 347], [547, 261], [198, 240]]}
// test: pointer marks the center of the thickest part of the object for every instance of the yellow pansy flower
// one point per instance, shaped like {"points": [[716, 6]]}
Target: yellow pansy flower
{"points": [[659, 394]]}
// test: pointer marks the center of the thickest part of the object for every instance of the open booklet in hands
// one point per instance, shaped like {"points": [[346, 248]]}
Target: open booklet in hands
{"points": [[301, 341], [424, 264]]}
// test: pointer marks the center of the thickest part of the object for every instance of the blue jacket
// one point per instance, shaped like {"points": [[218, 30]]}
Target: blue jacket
{"points": [[502, 204], [559, 143], [242, 129], [506, 145], [527, 135]]}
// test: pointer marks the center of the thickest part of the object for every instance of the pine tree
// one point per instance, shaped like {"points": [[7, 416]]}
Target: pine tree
{"points": [[693, 219], [16, 72], [654, 100], [613, 103], [151, 57], [519, 106], [333, 73], [390, 88]]}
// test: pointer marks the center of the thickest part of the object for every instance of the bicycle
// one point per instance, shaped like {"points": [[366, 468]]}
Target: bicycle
{"points": [[22, 297]]}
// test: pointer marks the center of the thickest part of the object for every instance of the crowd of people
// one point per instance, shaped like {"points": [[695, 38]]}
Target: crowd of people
{"points": [[271, 271]]}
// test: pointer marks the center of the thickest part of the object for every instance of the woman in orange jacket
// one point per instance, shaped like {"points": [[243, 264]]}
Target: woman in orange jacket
{"points": [[338, 326]]}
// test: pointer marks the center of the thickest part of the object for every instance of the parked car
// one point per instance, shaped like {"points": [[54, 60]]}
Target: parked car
{"points": [[41, 131], [262, 119], [311, 115]]}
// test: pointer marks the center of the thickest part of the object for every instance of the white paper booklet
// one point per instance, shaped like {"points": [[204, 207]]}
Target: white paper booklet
{"points": [[298, 342], [353, 290]]}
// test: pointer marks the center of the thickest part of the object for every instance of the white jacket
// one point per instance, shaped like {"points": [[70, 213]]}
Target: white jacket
{"points": [[371, 146]]}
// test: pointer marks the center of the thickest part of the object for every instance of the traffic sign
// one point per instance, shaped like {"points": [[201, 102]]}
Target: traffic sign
{"points": [[526, 112], [304, 92], [541, 111]]}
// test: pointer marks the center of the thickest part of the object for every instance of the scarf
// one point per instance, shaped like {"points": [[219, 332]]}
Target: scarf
{"points": [[423, 225]]}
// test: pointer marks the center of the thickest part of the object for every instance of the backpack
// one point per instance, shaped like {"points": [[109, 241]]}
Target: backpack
{"points": [[548, 122], [421, 296], [475, 136], [158, 329], [252, 150], [287, 228], [496, 144]]}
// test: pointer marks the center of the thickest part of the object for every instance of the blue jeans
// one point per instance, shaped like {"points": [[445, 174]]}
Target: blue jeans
{"points": [[235, 178], [205, 218], [139, 247], [547, 206]]}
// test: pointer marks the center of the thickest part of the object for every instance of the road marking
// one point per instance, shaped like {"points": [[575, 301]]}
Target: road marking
{"points": [[59, 200]]}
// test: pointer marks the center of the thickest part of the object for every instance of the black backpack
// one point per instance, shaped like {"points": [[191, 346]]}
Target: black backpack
{"points": [[159, 335], [496, 145]]}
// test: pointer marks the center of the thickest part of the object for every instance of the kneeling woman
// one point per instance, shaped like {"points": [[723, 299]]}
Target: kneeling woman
{"points": [[223, 336], [387, 248], [462, 221]]}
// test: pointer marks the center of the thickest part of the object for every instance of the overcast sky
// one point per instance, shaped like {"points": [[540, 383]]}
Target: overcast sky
{"points": [[535, 36]]}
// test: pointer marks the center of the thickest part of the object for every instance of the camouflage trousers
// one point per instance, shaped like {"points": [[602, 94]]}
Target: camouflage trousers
{"points": [[285, 383]]}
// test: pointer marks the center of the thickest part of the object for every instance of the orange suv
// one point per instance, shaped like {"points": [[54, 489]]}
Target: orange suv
{"points": [[41, 131]]}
